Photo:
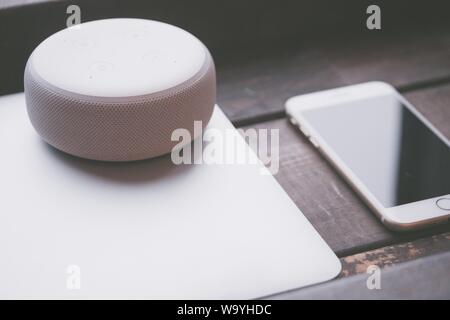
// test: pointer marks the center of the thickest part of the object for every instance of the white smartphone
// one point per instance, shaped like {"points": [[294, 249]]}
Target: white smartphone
{"points": [[387, 151]]}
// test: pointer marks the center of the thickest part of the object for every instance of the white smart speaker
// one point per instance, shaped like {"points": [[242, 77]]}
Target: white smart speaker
{"points": [[116, 89]]}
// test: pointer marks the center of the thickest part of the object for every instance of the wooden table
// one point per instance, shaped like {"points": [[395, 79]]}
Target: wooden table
{"points": [[266, 54], [253, 94]]}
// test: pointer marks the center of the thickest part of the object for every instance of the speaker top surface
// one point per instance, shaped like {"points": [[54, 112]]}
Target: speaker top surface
{"points": [[118, 58], [116, 89]]}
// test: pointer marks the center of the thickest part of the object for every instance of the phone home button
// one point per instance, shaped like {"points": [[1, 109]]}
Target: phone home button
{"points": [[443, 203]]}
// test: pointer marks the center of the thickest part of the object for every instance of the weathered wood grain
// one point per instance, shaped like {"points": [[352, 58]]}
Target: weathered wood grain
{"points": [[255, 89], [330, 205], [401, 59], [424, 278], [392, 255], [338, 214]]}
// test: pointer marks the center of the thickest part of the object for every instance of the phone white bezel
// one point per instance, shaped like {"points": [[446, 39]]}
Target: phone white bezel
{"points": [[404, 217]]}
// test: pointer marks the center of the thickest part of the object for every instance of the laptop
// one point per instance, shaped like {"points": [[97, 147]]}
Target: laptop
{"points": [[79, 229]]}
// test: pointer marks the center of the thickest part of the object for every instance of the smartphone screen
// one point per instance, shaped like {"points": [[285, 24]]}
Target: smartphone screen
{"points": [[398, 158]]}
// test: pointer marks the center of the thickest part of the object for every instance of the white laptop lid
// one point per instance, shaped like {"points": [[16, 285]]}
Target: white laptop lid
{"points": [[148, 229]]}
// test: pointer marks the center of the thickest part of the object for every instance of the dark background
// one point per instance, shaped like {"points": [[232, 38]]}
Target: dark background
{"points": [[231, 29]]}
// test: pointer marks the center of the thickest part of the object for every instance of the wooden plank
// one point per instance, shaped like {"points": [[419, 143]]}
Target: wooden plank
{"points": [[337, 213], [256, 89], [326, 200], [392, 255], [424, 278]]}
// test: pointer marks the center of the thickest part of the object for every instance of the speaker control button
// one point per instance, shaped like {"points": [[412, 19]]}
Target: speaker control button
{"points": [[101, 66]]}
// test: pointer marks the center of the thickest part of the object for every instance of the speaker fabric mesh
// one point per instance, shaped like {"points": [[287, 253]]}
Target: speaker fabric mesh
{"points": [[118, 129]]}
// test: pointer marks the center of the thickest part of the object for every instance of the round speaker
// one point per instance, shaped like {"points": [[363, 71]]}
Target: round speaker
{"points": [[116, 89]]}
